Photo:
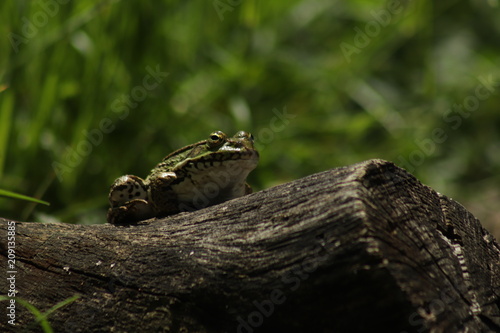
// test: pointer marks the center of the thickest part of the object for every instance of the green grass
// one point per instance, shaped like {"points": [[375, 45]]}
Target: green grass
{"points": [[12, 195], [41, 318], [382, 101]]}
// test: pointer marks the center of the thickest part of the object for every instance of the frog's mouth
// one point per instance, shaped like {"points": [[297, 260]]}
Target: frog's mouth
{"points": [[215, 179], [246, 158]]}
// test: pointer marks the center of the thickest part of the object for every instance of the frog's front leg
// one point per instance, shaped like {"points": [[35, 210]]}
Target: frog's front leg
{"points": [[163, 197], [130, 201]]}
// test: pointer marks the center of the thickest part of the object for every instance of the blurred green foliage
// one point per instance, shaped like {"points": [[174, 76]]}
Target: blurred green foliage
{"points": [[321, 84]]}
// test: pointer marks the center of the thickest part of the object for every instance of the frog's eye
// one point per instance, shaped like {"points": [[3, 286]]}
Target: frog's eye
{"points": [[244, 135], [216, 139]]}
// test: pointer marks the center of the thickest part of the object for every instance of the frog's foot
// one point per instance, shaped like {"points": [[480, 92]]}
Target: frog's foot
{"points": [[130, 212], [127, 188]]}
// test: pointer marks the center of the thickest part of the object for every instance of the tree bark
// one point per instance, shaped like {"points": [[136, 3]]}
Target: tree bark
{"points": [[362, 248]]}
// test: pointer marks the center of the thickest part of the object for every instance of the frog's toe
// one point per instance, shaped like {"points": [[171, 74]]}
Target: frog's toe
{"points": [[132, 211], [127, 188]]}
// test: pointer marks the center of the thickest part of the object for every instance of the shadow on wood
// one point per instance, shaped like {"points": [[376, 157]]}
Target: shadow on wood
{"points": [[361, 248]]}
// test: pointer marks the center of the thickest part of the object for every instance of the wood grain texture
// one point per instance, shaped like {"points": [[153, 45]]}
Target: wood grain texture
{"points": [[361, 248]]}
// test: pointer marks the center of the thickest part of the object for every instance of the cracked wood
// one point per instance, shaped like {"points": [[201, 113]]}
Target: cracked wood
{"points": [[360, 248]]}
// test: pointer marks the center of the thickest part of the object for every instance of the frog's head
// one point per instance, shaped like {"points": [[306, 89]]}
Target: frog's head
{"points": [[217, 148], [240, 146]]}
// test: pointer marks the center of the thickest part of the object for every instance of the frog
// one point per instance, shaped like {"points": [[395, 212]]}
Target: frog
{"points": [[196, 176]]}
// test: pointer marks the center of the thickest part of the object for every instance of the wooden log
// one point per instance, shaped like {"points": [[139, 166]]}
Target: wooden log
{"points": [[362, 248]]}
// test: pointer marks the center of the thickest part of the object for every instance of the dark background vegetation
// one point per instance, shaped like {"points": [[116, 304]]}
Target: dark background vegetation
{"points": [[357, 79]]}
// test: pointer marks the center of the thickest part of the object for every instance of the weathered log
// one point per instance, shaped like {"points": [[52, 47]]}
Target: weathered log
{"points": [[363, 248]]}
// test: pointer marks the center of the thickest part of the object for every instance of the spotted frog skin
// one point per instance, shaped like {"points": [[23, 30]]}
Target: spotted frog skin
{"points": [[196, 176]]}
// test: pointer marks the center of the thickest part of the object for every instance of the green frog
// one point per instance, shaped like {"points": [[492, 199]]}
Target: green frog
{"points": [[196, 176]]}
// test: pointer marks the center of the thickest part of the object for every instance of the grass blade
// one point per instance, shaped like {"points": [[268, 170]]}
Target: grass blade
{"points": [[14, 195]]}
